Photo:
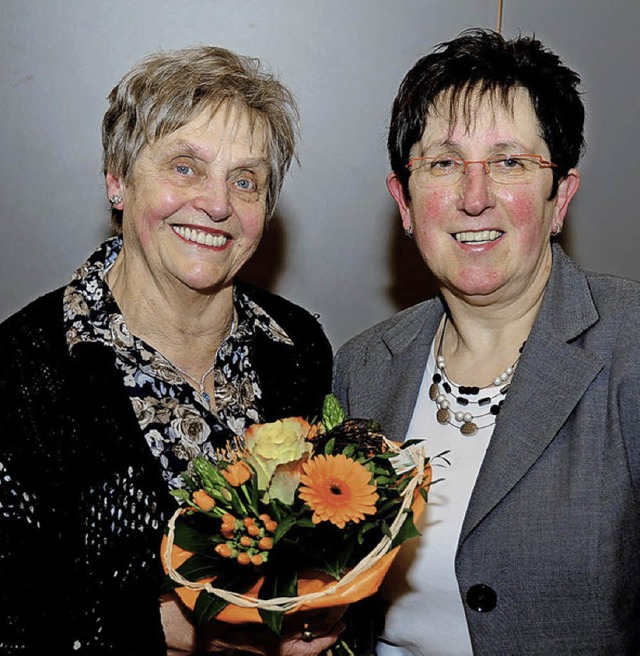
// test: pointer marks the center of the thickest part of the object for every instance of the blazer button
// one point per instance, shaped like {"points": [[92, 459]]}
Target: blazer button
{"points": [[482, 598]]}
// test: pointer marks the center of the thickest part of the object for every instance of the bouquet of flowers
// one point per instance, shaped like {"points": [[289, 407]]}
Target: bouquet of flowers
{"points": [[293, 516]]}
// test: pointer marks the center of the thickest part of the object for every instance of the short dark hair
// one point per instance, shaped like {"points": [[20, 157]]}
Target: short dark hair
{"points": [[481, 61]]}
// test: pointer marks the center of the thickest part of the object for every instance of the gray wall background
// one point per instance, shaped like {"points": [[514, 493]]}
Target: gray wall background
{"points": [[336, 246]]}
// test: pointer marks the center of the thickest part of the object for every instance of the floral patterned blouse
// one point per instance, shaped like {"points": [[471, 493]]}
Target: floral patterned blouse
{"points": [[175, 419]]}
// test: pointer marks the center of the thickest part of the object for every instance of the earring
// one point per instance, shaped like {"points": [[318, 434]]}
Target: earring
{"points": [[408, 233], [115, 199], [557, 229]]}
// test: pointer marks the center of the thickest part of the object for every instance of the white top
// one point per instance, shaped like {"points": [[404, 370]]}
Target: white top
{"points": [[426, 617]]}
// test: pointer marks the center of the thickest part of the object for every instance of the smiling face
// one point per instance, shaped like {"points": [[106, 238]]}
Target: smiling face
{"points": [[194, 208], [485, 242]]}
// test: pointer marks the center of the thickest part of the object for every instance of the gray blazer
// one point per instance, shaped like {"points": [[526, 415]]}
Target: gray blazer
{"points": [[548, 560]]}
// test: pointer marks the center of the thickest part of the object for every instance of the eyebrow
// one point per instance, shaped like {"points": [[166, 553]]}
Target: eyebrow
{"points": [[191, 150], [448, 144]]}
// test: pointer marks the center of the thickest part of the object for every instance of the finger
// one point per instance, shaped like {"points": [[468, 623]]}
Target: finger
{"points": [[319, 620], [299, 646]]}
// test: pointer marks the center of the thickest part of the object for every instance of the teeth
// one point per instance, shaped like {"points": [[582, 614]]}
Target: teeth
{"points": [[481, 237], [200, 236]]}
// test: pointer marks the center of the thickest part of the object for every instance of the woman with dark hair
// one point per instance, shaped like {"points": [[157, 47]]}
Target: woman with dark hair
{"points": [[525, 370], [154, 353]]}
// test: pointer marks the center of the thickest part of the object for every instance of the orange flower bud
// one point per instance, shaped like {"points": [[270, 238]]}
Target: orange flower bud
{"points": [[228, 518], [243, 558], [223, 550], [248, 521], [227, 531], [314, 431], [237, 473], [271, 526], [246, 541], [265, 544], [203, 500], [256, 560], [264, 517], [253, 530]]}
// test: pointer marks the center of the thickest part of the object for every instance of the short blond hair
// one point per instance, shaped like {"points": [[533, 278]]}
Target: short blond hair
{"points": [[167, 89]]}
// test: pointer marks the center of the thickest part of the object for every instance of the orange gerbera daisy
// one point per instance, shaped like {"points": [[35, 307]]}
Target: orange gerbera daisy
{"points": [[337, 489]]}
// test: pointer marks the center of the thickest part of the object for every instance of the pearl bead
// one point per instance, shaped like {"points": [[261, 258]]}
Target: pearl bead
{"points": [[468, 426]]}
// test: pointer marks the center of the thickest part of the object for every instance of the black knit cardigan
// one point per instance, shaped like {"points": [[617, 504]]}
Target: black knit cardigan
{"points": [[82, 500]]}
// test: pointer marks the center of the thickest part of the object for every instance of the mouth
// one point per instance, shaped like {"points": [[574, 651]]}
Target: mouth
{"points": [[200, 236], [478, 237]]}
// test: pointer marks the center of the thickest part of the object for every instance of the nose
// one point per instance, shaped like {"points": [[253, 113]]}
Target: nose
{"points": [[476, 193], [213, 199]]}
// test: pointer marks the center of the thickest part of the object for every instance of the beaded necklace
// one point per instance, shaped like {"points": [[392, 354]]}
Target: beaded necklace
{"points": [[488, 399]]}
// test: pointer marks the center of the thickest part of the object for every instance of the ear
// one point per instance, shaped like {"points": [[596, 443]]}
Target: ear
{"points": [[115, 187], [397, 192], [567, 188]]}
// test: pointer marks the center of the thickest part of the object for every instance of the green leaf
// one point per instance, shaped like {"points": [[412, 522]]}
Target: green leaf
{"points": [[234, 578], [385, 529], [411, 442], [190, 484], [272, 618], [199, 567], [329, 446], [407, 531], [305, 522], [182, 495], [284, 525], [168, 584], [349, 450], [188, 537], [207, 606], [280, 582], [335, 561]]}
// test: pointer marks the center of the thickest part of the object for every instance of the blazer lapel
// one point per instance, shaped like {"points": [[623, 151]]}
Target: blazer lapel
{"points": [[539, 400], [394, 387]]}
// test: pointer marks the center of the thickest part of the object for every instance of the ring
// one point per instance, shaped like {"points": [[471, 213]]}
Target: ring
{"points": [[307, 634]]}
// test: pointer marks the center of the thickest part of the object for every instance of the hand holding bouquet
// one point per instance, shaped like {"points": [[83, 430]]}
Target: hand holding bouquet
{"points": [[293, 516]]}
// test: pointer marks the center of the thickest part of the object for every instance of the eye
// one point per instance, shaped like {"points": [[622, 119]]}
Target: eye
{"points": [[509, 163], [184, 166], [445, 165], [245, 184], [184, 169]]}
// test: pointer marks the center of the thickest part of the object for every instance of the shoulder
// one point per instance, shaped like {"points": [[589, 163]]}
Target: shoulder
{"points": [[403, 326], [581, 292], [613, 292], [38, 326], [294, 378], [301, 325], [617, 303]]}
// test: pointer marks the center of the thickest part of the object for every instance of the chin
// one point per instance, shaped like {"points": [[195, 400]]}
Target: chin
{"points": [[478, 283]]}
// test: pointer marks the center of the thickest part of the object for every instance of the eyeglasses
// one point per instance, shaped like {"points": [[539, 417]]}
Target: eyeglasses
{"points": [[505, 169]]}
